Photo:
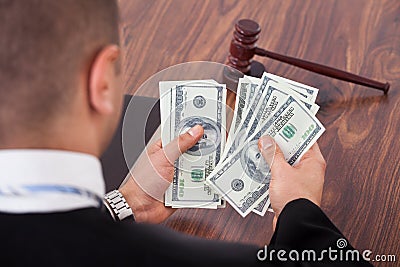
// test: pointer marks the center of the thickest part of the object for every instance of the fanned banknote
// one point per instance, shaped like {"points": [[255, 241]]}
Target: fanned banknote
{"points": [[306, 91], [234, 140], [267, 101], [276, 92], [243, 178], [245, 94], [218, 169]]}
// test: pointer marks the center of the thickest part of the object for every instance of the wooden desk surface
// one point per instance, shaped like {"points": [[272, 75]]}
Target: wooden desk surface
{"points": [[361, 144]]}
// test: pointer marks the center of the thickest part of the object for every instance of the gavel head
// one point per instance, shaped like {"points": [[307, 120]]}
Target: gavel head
{"points": [[243, 45]]}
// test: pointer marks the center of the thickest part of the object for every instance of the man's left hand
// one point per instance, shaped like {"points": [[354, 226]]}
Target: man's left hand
{"points": [[152, 174]]}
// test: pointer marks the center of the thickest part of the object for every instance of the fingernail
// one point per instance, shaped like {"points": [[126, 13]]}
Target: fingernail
{"points": [[195, 131], [266, 141]]}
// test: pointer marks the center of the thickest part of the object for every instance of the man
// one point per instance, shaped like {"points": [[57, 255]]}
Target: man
{"points": [[61, 96]]}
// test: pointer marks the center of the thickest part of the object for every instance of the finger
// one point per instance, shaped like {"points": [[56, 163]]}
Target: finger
{"points": [[183, 142], [153, 148], [268, 147], [315, 153], [158, 143]]}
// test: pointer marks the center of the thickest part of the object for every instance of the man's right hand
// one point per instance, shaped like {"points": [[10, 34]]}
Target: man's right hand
{"points": [[305, 180]]}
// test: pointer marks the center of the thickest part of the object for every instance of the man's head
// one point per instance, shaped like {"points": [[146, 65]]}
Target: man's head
{"points": [[60, 76]]}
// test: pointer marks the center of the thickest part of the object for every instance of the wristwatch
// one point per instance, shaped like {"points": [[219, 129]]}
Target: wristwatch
{"points": [[117, 206]]}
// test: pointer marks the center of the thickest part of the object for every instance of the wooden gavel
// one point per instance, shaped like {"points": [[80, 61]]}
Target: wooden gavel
{"points": [[243, 48]]}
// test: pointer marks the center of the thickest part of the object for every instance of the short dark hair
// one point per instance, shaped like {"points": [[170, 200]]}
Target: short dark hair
{"points": [[44, 45]]}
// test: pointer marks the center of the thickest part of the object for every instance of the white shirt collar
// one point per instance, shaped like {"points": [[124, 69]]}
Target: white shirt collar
{"points": [[34, 167]]}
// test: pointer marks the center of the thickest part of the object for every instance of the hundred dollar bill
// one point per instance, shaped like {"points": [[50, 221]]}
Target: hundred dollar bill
{"points": [[274, 95], [305, 90], [240, 103], [239, 134], [260, 109], [243, 178], [272, 98], [265, 204], [245, 94], [191, 104], [263, 207], [277, 91], [165, 88], [254, 83]]}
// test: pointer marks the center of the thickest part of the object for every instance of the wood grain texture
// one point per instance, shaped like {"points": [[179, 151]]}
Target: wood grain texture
{"points": [[361, 144]]}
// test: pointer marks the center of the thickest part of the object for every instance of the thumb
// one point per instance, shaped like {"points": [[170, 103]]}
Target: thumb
{"points": [[271, 152], [183, 142]]}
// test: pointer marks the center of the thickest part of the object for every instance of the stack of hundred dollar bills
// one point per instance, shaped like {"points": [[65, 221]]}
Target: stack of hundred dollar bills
{"points": [[226, 165]]}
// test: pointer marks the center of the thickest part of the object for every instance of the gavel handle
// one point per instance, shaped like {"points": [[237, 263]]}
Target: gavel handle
{"points": [[324, 70]]}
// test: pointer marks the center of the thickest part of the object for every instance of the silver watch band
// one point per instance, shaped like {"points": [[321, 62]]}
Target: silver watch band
{"points": [[117, 205]]}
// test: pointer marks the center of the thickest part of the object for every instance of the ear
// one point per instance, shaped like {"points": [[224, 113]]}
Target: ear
{"points": [[102, 77]]}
